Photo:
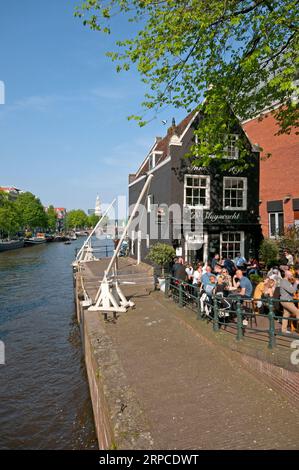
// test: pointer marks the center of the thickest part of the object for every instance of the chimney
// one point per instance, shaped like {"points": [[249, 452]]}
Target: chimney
{"points": [[173, 129]]}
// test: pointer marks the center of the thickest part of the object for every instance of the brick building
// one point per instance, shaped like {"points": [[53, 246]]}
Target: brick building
{"points": [[226, 201], [11, 191], [279, 188]]}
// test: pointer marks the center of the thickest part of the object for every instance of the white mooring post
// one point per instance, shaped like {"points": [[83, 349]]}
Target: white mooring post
{"points": [[110, 297]]}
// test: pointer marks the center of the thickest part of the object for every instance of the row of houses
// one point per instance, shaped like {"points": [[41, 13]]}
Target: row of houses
{"points": [[14, 192], [229, 211]]}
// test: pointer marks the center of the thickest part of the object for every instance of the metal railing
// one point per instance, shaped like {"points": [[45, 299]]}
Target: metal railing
{"points": [[235, 312], [104, 251]]}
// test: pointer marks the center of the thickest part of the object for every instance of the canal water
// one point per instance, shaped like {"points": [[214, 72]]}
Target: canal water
{"points": [[44, 397]]}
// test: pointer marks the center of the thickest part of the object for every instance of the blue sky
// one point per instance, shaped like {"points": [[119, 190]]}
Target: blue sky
{"points": [[64, 133]]}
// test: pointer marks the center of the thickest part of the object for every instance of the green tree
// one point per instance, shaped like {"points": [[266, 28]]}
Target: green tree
{"points": [[161, 254], [31, 211], [92, 220], [269, 252], [9, 216], [240, 55], [290, 240], [76, 219], [51, 218]]}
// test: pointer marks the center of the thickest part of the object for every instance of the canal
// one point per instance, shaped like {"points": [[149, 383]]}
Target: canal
{"points": [[44, 396]]}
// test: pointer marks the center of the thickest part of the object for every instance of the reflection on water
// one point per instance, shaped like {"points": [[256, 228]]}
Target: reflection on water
{"points": [[44, 398]]}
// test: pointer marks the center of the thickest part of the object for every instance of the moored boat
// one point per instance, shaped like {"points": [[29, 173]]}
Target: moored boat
{"points": [[60, 238], [38, 240], [6, 245]]}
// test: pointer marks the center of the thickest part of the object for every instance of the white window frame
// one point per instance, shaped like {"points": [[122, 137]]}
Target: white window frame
{"points": [[242, 242], [150, 201], [208, 190], [132, 242], [235, 147], [276, 223], [245, 192], [226, 148], [153, 158], [152, 161]]}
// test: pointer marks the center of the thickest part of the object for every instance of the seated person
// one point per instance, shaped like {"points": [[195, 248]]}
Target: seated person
{"points": [[263, 290], [189, 271], [220, 293], [229, 265], [206, 275], [240, 261], [242, 284], [226, 278], [253, 266], [209, 287], [217, 269]]}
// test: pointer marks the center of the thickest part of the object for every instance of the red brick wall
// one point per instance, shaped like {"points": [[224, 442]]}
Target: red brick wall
{"points": [[278, 175], [286, 381]]}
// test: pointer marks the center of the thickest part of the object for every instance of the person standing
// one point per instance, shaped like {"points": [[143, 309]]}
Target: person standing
{"points": [[288, 287], [289, 258], [215, 261]]}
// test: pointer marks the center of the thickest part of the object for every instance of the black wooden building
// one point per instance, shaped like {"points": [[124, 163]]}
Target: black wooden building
{"points": [[221, 207]]}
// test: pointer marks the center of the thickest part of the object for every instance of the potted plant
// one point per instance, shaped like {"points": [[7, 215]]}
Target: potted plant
{"points": [[255, 279], [161, 254], [269, 252]]}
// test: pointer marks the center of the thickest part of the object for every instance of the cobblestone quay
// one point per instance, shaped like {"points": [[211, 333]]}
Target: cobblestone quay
{"points": [[177, 389]]}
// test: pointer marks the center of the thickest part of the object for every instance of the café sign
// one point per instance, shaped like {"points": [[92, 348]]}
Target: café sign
{"points": [[212, 217]]}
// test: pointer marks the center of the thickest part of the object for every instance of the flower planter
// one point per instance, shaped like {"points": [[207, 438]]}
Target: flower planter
{"points": [[161, 281]]}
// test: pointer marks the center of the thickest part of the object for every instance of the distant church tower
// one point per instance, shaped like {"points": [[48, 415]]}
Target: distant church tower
{"points": [[97, 210]]}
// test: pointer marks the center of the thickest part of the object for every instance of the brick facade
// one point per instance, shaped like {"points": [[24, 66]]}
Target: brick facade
{"points": [[278, 181]]}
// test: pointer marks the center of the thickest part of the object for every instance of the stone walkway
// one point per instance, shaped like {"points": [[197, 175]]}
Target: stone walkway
{"points": [[194, 395]]}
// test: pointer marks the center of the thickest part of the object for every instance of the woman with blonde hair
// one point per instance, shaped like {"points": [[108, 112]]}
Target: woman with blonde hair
{"points": [[263, 290]]}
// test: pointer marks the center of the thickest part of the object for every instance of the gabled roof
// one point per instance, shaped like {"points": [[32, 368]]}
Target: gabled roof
{"points": [[161, 146]]}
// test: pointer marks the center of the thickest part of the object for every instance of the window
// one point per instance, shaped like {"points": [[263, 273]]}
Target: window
{"points": [[231, 243], [231, 151], [276, 224], [151, 161], [234, 193], [197, 191], [132, 242], [150, 201]]}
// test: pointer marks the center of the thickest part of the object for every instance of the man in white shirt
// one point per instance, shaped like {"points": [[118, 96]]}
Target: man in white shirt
{"points": [[289, 257]]}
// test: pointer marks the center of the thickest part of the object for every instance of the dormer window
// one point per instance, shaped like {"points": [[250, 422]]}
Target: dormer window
{"points": [[154, 159]]}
